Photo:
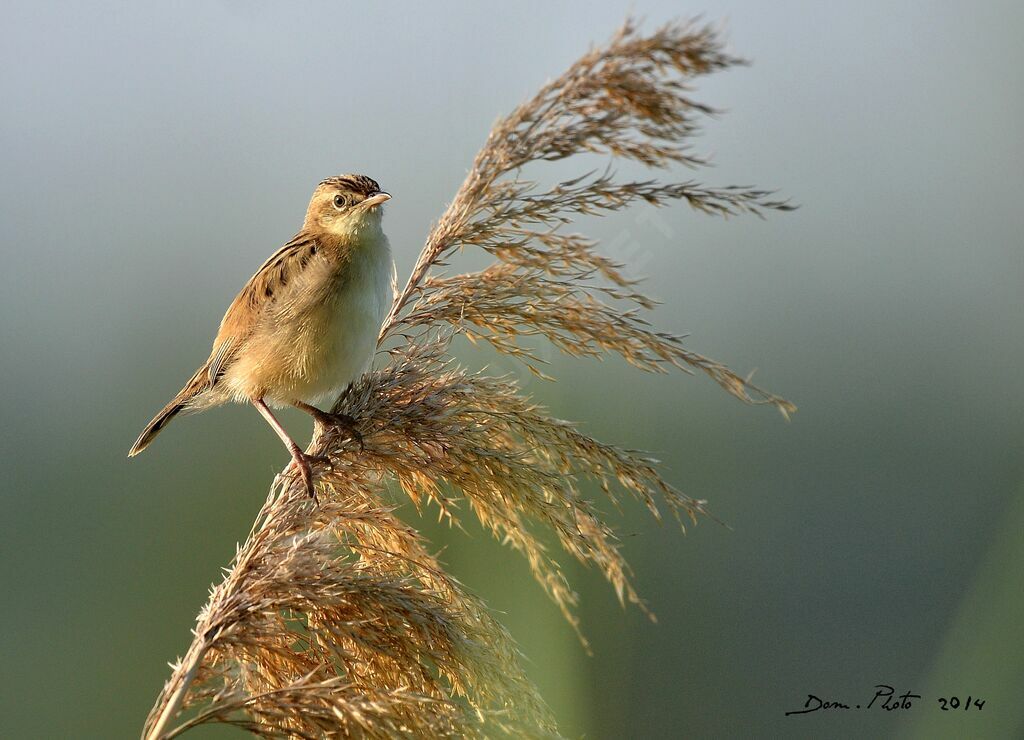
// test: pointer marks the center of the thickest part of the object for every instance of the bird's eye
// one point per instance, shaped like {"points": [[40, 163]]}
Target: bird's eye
{"points": [[340, 201]]}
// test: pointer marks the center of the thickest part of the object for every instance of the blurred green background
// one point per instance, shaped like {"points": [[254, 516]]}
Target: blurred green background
{"points": [[152, 157]]}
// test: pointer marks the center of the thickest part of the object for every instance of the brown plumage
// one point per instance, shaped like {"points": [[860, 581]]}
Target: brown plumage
{"points": [[306, 324]]}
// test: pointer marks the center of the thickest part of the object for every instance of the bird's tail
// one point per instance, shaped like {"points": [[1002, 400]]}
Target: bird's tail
{"points": [[197, 385]]}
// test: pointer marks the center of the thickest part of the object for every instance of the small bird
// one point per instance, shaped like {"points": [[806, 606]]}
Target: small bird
{"points": [[306, 324]]}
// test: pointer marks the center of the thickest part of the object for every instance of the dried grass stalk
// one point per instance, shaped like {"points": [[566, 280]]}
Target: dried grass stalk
{"points": [[336, 621]]}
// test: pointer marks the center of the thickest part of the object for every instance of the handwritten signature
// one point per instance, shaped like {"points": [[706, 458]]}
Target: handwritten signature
{"points": [[885, 698]]}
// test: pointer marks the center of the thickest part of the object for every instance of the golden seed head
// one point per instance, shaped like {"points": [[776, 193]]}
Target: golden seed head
{"points": [[329, 614]]}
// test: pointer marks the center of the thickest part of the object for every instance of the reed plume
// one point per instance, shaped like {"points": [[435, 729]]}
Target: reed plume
{"points": [[335, 620]]}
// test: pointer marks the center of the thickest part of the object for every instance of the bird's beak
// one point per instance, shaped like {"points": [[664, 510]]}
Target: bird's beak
{"points": [[376, 199]]}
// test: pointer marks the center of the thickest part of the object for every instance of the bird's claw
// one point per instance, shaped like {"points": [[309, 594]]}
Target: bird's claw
{"points": [[342, 422], [302, 463]]}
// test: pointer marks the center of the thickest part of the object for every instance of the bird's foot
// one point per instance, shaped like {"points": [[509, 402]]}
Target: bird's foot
{"points": [[341, 422], [303, 464]]}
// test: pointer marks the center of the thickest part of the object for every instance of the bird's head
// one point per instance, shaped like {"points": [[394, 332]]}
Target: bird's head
{"points": [[346, 205]]}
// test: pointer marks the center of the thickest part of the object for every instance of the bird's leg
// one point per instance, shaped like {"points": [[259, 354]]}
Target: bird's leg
{"points": [[325, 419], [299, 458]]}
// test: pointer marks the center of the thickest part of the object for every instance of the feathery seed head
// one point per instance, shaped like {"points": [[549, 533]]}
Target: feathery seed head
{"points": [[337, 621]]}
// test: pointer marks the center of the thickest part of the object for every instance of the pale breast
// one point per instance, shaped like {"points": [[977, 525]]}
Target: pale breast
{"points": [[351, 336], [322, 334], [338, 343]]}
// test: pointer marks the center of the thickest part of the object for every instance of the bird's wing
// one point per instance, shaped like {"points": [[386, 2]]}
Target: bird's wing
{"points": [[255, 298], [221, 352]]}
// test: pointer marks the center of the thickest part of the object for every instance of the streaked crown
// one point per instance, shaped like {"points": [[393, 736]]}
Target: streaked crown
{"points": [[338, 200], [354, 184]]}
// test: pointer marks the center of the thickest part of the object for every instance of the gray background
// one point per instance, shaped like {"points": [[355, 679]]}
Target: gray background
{"points": [[152, 157]]}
